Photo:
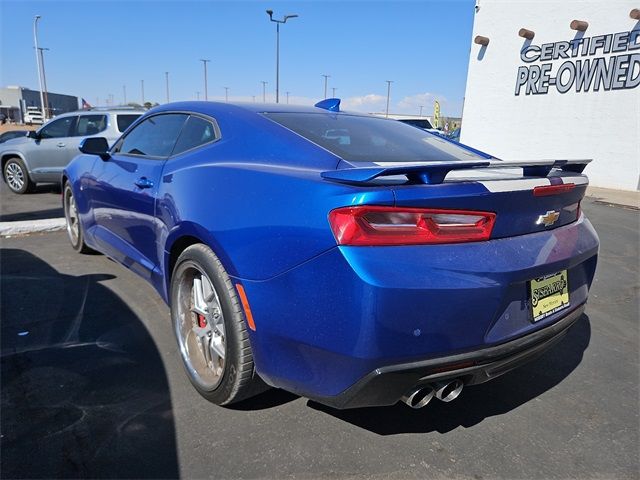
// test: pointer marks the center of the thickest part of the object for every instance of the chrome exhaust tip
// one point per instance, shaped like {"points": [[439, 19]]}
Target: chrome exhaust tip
{"points": [[418, 396], [449, 390]]}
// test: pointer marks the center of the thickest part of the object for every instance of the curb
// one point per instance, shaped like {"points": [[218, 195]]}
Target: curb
{"points": [[32, 226]]}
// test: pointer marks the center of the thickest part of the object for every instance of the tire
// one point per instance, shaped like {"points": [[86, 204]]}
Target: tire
{"points": [[16, 176], [208, 320], [72, 219]]}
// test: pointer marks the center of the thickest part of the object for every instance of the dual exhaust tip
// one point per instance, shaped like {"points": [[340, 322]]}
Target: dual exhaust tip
{"points": [[420, 395]]}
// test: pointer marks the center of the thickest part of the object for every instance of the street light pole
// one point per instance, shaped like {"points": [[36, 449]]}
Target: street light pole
{"points": [[44, 81], [325, 84], [142, 90], [278, 22], [166, 78], [288, 98], [264, 91], [333, 90], [124, 94], [421, 107], [389, 82], [35, 41], [197, 95], [226, 94], [206, 91]]}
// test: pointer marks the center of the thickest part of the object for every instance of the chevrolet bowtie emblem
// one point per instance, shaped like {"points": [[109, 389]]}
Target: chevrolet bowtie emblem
{"points": [[548, 218]]}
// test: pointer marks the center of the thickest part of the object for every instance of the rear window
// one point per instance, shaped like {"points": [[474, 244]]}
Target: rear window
{"points": [[370, 139], [124, 121], [90, 125]]}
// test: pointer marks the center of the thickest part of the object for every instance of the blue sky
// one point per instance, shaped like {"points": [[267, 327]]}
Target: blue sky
{"points": [[96, 47]]}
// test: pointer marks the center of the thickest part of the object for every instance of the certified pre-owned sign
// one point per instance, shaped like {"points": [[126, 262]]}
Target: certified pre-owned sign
{"points": [[582, 70]]}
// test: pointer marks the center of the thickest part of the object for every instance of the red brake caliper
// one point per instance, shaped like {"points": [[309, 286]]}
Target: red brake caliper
{"points": [[202, 322]]}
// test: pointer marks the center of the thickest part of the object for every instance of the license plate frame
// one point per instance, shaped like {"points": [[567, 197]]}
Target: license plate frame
{"points": [[549, 295]]}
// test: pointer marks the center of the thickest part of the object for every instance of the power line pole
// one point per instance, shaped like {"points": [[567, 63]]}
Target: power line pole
{"points": [[35, 41], [206, 91], [389, 82], [325, 84], [264, 91]]}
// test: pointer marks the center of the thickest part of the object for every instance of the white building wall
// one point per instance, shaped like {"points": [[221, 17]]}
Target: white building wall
{"points": [[603, 125]]}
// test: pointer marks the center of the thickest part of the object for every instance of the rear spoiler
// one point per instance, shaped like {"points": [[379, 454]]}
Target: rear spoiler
{"points": [[432, 173]]}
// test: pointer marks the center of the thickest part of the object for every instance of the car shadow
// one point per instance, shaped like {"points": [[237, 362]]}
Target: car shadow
{"points": [[478, 402], [84, 390], [35, 215]]}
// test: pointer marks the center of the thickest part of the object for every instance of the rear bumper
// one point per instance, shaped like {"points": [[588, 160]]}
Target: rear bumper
{"points": [[386, 385], [327, 324]]}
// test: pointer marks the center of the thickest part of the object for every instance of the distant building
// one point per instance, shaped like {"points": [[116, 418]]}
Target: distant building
{"points": [[15, 100], [557, 80]]}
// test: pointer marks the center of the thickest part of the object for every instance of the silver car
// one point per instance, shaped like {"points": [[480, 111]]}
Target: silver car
{"points": [[41, 156]]}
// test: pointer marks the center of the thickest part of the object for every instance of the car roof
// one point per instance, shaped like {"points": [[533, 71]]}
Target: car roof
{"points": [[217, 108]]}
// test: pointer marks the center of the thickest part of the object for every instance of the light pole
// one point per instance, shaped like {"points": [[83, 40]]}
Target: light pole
{"points": [[278, 22], [124, 94], [142, 91], [264, 91], [206, 91], [421, 107], [288, 98], [166, 78], [197, 95], [35, 41], [44, 81], [325, 84], [333, 92], [389, 82], [226, 94], [254, 98]]}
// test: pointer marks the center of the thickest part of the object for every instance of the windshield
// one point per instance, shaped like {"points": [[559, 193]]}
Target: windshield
{"points": [[370, 139]]}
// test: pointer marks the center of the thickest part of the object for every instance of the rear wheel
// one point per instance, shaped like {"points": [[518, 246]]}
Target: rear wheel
{"points": [[209, 325], [16, 176], [74, 227]]}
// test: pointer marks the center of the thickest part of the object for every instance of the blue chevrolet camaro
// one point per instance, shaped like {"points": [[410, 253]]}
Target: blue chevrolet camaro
{"points": [[350, 259]]}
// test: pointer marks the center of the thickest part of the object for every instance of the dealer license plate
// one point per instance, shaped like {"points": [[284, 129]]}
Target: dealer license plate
{"points": [[549, 294]]}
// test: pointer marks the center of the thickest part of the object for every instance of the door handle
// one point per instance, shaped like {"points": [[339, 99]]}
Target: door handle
{"points": [[61, 144], [144, 182]]}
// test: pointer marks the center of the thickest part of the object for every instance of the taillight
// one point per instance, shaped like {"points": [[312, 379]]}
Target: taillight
{"points": [[375, 225]]}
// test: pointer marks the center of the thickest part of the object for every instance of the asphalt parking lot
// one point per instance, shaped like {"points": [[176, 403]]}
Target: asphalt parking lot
{"points": [[92, 386], [44, 203]]}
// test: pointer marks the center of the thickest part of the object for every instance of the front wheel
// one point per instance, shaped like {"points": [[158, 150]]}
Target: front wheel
{"points": [[209, 325], [16, 176], [74, 227]]}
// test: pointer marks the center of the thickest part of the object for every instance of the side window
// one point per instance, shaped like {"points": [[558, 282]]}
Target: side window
{"points": [[124, 121], [58, 128], [90, 125], [154, 137], [197, 131]]}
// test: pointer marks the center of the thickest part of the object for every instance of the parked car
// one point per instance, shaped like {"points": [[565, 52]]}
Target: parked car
{"points": [[414, 120], [390, 265], [40, 156], [13, 134], [33, 116]]}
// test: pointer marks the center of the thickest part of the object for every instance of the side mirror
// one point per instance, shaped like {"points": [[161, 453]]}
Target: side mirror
{"points": [[33, 134], [95, 146]]}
